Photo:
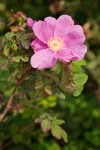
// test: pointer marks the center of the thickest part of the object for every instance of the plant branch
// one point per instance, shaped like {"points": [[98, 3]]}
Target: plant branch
{"points": [[9, 103], [30, 106]]}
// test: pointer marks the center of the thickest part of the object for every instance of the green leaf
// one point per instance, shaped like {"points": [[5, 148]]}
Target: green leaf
{"points": [[14, 46], [16, 58], [46, 125], [52, 118], [9, 35], [25, 44], [64, 136], [56, 131], [2, 7], [27, 113], [80, 79], [58, 122], [41, 118], [78, 91], [18, 138], [77, 66], [54, 146], [9, 44], [24, 58], [38, 120], [24, 40], [6, 51], [56, 68]]}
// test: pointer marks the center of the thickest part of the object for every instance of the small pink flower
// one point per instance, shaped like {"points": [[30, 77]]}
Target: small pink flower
{"points": [[56, 40]]}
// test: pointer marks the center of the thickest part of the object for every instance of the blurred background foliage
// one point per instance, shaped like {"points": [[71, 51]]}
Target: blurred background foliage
{"points": [[82, 114]]}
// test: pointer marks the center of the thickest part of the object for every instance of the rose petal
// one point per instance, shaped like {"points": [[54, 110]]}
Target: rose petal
{"points": [[43, 30], [43, 59], [50, 20], [64, 54], [75, 36], [79, 51], [38, 45], [30, 22], [63, 26]]}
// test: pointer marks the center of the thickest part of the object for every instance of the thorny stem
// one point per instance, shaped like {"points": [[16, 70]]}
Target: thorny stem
{"points": [[9, 103]]}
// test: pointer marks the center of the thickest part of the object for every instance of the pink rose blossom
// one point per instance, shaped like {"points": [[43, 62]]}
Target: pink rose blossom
{"points": [[30, 23], [56, 40]]}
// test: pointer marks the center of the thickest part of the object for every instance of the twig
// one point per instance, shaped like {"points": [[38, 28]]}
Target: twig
{"points": [[6, 145], [30, 106], [19, 82]]}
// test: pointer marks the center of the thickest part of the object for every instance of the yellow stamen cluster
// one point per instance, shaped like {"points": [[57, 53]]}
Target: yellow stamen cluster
{"points": [[55, 43]]}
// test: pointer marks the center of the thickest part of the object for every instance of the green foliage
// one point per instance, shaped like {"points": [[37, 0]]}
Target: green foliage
{"points": [[64, 136], [56, 131], [77, 66], [46, 125], [58, 121], [23, 38], [18, 138], [20, 58], [52, 123], [79, 78], [49, 90], [9, 35]]}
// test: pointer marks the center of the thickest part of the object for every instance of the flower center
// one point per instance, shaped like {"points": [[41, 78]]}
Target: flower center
{"points": [[55, 43]]}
